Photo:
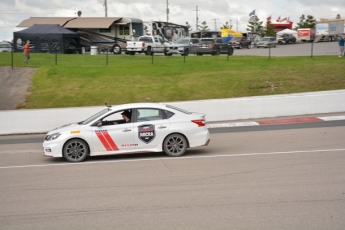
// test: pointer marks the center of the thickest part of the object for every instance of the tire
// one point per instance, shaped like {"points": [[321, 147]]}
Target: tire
{"points": [[248, 46], [217, 52], [175, 145], [198, 54], [148, 51], [231, 51], [116, 49], [75, 150], [186, 53]]}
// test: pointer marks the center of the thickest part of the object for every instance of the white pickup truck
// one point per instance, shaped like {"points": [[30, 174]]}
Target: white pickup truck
{"points": [[146, 44]]}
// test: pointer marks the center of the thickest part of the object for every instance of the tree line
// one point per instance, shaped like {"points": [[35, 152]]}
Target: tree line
{"points": [[256, 25]]}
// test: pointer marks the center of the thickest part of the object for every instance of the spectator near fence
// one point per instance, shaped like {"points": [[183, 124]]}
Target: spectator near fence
{"points": [[341, 44], [27, 52]]}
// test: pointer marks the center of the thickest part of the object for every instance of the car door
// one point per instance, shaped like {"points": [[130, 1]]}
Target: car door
{"points": [[193, 44], [150, 128], [113, 136], [222, 46]]}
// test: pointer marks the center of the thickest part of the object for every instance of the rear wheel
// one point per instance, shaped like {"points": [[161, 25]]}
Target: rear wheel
{"points": [[148, 51], [75, 150], [175, 145]]}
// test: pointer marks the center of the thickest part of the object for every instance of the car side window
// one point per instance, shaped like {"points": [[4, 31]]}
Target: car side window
{"points": [[149, 114], [168, 114], [156, 39], [115, 118]]}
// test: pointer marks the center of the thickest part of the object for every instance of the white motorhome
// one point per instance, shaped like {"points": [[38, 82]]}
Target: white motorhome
{"points": [[106, 32]]}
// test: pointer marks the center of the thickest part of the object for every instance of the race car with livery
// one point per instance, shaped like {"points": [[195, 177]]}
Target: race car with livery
{"points": [[151, 127]]}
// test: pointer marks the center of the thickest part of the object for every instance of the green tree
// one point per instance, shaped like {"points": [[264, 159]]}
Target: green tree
{"points": [[189, 27], [204, 26], [226, 26], [304, 22], [255, 26], [270, 30], [310, 22]]}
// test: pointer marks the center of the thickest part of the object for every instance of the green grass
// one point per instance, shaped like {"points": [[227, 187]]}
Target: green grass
{"points": [[85, 80]]}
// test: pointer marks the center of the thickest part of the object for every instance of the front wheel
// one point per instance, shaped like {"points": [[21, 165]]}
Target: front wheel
{"points": [[175, 145], [116, 49], [75, 150]]}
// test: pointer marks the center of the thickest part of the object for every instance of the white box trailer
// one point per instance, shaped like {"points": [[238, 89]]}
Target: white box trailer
{"points": [[306, 34], [329, 30]]}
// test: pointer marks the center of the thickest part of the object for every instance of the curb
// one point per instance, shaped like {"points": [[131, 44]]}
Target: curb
{"points": [[276, 122]]}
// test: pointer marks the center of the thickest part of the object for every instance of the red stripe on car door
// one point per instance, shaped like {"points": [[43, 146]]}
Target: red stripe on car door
{"points": [[110, 141], [104, 141]]}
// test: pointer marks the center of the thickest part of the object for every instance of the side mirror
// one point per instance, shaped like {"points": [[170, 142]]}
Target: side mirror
{"points": [[99, 124]]}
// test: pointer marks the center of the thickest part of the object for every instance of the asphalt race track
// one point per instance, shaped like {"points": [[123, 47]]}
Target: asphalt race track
{"points": [[264, 177]]}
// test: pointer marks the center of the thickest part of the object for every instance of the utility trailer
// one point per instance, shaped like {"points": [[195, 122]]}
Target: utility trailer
{"points": [[328, 31]]}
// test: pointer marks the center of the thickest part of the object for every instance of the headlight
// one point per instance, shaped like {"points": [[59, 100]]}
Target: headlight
{"points": [[53, 136]]}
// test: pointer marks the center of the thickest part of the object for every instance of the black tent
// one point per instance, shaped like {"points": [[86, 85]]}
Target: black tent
{"points": [[47, 38]]}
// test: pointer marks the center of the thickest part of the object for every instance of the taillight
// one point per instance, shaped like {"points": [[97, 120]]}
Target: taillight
{"points": [[143, 44], [211, 45], [126, 44], [200, 122]]}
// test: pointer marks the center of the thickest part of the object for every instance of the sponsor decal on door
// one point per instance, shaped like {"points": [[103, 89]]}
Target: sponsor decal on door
{"points": [[106, 140], [146, 133]]}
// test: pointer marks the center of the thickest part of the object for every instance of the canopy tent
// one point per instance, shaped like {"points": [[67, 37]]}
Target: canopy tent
{"points": [[228, 34], [47, 38], [288, 31]]}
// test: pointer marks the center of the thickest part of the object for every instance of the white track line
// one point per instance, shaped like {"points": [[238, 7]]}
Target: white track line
{"points": [[172, 158]]}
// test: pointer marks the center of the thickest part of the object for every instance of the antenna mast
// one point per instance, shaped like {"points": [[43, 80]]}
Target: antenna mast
{"points": [[106, 8]]}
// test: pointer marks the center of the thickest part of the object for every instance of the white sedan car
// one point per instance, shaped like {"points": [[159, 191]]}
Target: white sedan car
{"points": [[151, 128]]}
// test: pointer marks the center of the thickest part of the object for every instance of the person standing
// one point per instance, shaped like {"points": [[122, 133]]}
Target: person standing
{"points": [[27, 52], [341, 44]]}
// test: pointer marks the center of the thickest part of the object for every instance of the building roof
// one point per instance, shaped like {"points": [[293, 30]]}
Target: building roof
{"points": [[45, 20]]}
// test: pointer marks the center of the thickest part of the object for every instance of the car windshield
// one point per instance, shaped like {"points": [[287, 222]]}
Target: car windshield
{"points": [[236, 39], [265, 39], [182, 41], [93, 117], [206, 41]]}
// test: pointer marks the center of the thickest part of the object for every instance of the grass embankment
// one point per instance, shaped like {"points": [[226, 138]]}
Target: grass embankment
{"points": [[85, 80]]}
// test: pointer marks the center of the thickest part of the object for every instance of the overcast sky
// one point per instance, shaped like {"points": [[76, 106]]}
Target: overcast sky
{"points": [[214, 12]]}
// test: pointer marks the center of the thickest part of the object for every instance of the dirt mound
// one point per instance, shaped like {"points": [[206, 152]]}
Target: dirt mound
{"points": [[14, 86]]}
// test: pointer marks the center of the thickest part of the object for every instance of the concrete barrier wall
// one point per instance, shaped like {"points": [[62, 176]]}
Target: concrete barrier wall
{"points": [[44, 120]]}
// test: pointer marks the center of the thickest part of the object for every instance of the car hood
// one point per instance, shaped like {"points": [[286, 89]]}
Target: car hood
{"points": [[67, 127], [178, 45]]}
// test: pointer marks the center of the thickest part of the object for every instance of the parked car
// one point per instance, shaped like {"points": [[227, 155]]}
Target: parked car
{"points": [[143, 127], [146, 44], [5, 47], [267, 42], [240, 42], [183, 46], [214, 46], [286, 39]]}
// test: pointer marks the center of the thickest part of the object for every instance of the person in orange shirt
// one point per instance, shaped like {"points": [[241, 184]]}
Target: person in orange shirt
{"points": [[27, 51]]}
